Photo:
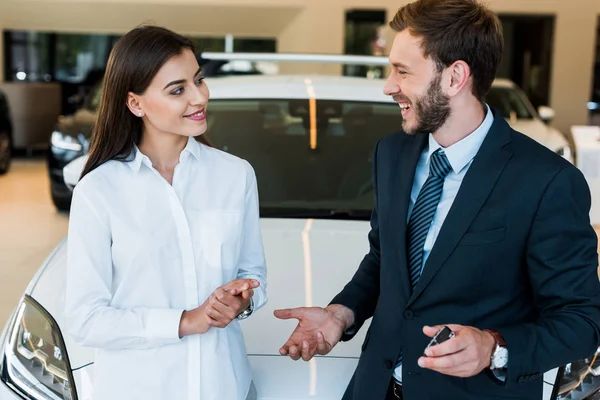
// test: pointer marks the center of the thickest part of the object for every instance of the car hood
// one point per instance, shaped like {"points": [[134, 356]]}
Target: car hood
{"points": [[308, 263]]}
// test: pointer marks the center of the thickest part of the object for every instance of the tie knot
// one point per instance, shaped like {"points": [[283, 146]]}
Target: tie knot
{"points": [[439, 164]]}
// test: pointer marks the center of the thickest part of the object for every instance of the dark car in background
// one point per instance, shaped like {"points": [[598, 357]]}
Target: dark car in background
{"points": [[69, 140], [6, 132]]}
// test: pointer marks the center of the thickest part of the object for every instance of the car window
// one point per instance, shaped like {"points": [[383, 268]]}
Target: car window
{"points": [[311, 158], [509, 100]]}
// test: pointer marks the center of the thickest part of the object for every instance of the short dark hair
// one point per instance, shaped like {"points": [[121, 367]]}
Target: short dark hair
{"points": [[453, 30]]}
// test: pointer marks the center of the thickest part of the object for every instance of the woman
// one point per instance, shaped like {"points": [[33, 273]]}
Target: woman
{"points": [[164, 248]]}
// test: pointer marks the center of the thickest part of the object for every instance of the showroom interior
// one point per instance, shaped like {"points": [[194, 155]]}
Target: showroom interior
{"points": [[53, 54]]}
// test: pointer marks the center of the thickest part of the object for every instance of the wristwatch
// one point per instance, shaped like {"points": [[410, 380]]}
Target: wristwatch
{"points": [[247, 312], [499, 359]]}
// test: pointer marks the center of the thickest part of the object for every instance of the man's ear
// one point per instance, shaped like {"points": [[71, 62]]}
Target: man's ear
{"points": [[459, 74]]}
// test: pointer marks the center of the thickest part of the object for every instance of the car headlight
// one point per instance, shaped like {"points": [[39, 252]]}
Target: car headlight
{"points": [[66, 142], [35, 356], [579, 379]]}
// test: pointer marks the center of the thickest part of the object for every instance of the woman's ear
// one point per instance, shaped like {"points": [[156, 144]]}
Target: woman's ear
{"points": [[133, 103]]}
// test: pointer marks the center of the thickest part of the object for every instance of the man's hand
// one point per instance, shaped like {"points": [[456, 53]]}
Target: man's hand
{"points": [[466, 354], [318, 331]]}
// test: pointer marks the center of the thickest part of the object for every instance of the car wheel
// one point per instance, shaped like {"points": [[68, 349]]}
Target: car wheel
{"points": [[5, 152]]}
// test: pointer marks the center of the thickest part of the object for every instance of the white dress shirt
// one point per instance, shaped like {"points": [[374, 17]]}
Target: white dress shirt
{"points": [[460, 155], [141, 251]]}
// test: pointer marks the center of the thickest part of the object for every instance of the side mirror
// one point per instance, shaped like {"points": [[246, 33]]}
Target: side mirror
{"points": [[547, 114]]}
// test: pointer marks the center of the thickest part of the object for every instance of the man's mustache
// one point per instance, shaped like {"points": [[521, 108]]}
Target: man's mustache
{"points": [[400, 99]]}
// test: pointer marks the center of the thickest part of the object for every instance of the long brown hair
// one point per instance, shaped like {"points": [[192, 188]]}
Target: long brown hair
{"points": [[453, 30], [134, 61]]}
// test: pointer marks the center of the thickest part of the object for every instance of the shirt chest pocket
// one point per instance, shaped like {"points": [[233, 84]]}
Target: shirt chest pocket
{"points": [[217, 237]]}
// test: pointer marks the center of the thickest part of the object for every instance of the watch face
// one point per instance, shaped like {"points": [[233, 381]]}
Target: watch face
{"points": [[500, 357]]}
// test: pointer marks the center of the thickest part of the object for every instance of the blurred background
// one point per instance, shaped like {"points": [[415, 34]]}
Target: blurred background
{"points": [[53, 50], [52, 59]]}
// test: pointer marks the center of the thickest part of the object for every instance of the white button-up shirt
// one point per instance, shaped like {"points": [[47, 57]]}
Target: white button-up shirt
{"points": [[141, 251]]}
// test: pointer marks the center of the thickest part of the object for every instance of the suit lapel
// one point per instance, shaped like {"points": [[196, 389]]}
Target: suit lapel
{"points": [[477, 185], [401, 181]]}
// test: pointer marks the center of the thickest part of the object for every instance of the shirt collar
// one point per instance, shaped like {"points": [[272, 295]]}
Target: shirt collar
{"points": [[138, 158], [192, 147], [462, 152]]}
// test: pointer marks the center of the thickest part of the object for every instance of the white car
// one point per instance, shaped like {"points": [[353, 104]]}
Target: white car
{"points": [[310, 140]]}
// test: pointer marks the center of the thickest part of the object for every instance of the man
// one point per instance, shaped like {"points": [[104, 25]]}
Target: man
{"points": [[475, 227]]}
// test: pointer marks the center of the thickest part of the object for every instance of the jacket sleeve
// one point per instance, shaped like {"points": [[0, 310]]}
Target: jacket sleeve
{"points": [[562, 262]]}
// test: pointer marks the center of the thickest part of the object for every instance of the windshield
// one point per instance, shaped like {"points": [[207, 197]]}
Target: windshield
{"points": [[508, 100], [312, 158]]}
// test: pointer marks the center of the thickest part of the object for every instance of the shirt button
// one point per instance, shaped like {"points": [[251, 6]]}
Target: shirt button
{"points": [[389, 364], [409, 314]]}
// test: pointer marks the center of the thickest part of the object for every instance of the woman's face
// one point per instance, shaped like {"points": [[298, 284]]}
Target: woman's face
{"points": [[175, 102]]}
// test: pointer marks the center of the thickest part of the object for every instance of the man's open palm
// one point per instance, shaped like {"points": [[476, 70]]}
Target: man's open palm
{"points": [[318, 331]]}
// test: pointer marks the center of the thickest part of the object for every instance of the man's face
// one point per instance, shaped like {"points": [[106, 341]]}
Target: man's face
{"points": [[415, 84]]}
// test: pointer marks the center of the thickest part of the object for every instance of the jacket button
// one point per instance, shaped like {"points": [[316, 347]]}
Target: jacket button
{"points": [[409, 314], [389, 364]]}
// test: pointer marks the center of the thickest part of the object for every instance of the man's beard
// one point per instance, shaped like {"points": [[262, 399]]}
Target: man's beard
{"points": [[431, 110]]}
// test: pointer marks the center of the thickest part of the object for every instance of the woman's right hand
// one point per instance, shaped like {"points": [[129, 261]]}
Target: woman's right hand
{"points": [[217, 310]]}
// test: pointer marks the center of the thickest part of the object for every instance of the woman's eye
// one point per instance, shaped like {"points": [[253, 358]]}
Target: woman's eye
{"points": [[177, 91], [199, 80]]}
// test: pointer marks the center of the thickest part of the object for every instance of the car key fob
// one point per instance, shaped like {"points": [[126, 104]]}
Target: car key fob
{"points": [[440, 337]]}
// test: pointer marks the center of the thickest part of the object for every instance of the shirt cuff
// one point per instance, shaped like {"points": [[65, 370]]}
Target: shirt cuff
{"points": [[163, 324]]}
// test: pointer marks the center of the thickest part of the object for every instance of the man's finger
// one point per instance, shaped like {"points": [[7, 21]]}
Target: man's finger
{"points": [[322, 346], [307, 352], [285, 349], [247, 294], [432, 330], [441, 363], [289, 313], [294, 353]]}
